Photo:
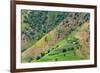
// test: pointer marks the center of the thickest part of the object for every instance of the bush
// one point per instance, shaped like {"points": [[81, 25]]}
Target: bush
{"points": [[48, 51], [53, 48], [38, 57], [80, 23], [30, 59], [57, 46], [64, 54], [64, 50], [67, 21], [56, 59], [22, 50], [42, 54], [74, 18], [71, 49]]}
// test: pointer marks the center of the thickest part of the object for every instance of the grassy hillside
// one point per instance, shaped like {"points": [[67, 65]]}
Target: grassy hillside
{"points": [[63, 42], [70, 48]]}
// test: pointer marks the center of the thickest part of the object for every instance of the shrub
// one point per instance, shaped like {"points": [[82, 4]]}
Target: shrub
{"points": [[38, 57], [80, 23], [57, 46], [42, 54], [67, 21], [64, 50], [48, 51], [71, 49], [52, 48], [64, 54], [74, 18], [30, 59], [22, 50], [56, 59]]}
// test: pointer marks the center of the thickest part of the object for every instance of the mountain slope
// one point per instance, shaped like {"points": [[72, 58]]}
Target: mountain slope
{"points": [[35, 24], [72, 47], [69, 24]]}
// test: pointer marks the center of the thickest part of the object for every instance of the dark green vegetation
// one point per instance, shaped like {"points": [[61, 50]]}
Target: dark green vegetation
{"points": [[54, 36]]}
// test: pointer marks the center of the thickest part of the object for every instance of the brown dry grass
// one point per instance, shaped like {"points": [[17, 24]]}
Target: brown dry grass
{"points": [[82, 35]]}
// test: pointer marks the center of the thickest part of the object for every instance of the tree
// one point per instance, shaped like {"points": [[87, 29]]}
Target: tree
{"points": [[57, 46], [71, 49], [48, 51], [38, 57], [56, 59], [42, 54], [46, 39], [67, 21], [74, 17], [30, 59], [80, 23], [64, 50], [64, 54]]}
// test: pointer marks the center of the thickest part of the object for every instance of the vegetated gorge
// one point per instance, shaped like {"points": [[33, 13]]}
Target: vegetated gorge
{"points": [[48, 36]]}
